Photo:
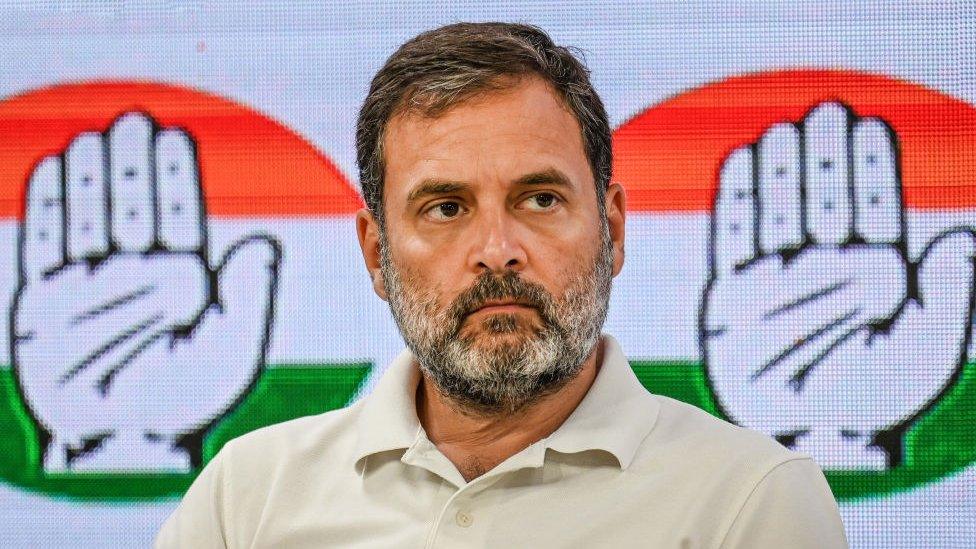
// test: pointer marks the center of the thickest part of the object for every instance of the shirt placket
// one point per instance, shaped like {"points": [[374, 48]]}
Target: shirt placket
{"points": [[466, 516], [462, 520]]}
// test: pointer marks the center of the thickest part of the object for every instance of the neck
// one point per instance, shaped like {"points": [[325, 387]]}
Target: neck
{"points": [[476, 443]]}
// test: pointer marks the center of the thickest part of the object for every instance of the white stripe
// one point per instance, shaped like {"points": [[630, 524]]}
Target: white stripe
{"points": [[327, 311]]}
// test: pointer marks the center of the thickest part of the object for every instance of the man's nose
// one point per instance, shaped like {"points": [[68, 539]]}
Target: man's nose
{"points": [[496, 244]]}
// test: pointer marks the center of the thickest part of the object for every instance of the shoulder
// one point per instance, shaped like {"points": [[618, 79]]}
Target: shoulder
{"points": [[298, 439], [722, 474], [699, 443], [223, 504]]}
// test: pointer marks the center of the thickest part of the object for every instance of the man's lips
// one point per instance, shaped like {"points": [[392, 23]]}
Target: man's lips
{"points": [[502, 307]]}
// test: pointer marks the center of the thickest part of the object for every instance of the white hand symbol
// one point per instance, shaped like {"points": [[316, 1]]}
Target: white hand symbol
{"points": [[816, 326], [124, 338]]}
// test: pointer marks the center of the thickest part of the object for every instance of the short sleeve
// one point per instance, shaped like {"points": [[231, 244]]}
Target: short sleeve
{"points": [[792, 506], [197, 521]]}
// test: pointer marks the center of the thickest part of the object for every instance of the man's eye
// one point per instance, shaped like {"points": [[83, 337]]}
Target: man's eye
{"points": [[445, 210], [542, 201]]}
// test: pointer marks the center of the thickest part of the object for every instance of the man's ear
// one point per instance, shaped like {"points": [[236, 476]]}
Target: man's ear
{"points": [[616, 204], [368, 230]]}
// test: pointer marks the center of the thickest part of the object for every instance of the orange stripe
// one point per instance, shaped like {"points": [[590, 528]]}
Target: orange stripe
{"points": [[249, 164], [668, 157]]}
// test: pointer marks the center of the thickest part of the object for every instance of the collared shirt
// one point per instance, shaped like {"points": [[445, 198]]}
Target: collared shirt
{"points": [[626, 469]]}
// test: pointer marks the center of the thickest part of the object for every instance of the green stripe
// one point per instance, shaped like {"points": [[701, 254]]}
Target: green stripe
{"points": [[287, 392], [282, 393], [936, 445]]}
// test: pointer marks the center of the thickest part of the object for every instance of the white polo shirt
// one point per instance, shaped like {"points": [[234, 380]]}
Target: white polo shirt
{"points": [[626, 469]]}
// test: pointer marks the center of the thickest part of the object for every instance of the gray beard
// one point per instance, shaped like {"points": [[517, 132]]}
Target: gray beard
{"points": [[511, 365]]}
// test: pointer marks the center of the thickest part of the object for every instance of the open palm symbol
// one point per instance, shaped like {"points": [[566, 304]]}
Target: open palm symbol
{"points": [[124, 337], [816, 326]]}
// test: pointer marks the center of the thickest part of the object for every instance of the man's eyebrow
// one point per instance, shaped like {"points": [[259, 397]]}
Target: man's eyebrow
{"points": [[551, 176], [433, 187], [429, 187]]}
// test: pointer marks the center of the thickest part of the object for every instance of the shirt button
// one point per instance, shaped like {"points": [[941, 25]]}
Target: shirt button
{"points": [[463, 519]]}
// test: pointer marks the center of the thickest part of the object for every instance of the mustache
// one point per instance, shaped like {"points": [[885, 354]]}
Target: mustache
{"points": [[508, 286]]}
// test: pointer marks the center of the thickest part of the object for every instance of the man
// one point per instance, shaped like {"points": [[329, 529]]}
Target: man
{"points": [[493, 231]]}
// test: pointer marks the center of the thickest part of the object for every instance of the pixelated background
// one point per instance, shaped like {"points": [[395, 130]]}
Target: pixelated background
{"points": [[177, 190]]}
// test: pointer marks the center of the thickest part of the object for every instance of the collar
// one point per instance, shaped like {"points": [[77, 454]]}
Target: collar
{"points": [[389, 417], [615, 416]]}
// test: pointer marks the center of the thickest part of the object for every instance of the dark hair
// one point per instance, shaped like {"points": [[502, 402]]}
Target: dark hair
{"points": [[440, 68]]}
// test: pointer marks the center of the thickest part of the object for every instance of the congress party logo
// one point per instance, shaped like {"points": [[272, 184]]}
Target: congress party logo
{"points": [[137, 348], [837, 309]]}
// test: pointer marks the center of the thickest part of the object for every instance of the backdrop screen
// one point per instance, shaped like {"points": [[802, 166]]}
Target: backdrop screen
{"points": [[179, 261]]}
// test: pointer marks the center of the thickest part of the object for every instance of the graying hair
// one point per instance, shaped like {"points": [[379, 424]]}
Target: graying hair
{"points": [[443, 67]]}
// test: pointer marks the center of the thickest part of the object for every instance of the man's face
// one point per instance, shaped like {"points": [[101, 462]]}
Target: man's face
{"points": [[495, 258]]}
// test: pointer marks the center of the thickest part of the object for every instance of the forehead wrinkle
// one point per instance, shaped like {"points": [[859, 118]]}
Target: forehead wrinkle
{"points": [[525, 111]]}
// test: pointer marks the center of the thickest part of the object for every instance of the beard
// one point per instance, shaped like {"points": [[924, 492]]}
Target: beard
{"points": [[504, 362]]}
